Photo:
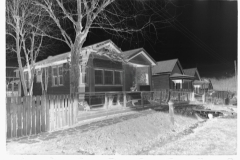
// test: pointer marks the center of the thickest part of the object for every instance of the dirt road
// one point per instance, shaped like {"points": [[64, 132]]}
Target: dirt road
{"points": [[217, 136]]}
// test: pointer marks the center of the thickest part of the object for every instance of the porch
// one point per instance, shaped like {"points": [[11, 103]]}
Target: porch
{"points": [[181, 81]]}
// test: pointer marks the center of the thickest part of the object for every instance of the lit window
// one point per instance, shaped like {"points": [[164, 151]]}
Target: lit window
{"points": [[98, 76], [118, 77], [108, 77]]}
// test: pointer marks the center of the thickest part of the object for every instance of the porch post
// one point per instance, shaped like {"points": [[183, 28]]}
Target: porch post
{"points": [[150, 76]]}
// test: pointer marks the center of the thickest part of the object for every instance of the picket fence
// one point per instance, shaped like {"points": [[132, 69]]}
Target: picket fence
{"points": [[33, 115]]}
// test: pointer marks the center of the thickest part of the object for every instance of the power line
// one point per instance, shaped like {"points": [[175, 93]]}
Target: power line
{"points": [[193, 38]]}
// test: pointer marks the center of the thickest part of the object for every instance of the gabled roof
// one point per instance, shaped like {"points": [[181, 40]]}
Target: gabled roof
{"points": [[165, 66], [191, 72], [130, 54], [104, 43]]}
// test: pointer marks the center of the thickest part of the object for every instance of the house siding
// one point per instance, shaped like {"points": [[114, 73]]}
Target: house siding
{"points": [[176, 69], [160, 82]]}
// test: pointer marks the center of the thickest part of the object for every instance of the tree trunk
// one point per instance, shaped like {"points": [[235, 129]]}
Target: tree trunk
{"points": [[20, 65]]}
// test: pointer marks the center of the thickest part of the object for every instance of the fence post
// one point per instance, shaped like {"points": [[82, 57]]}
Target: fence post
{"points": [[142, 99], [106, 101], [124, 99], [171, 111], [203, 97], [192, 97]]}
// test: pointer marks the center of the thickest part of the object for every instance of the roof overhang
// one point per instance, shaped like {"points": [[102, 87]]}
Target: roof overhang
{"points": [[181, 76]]}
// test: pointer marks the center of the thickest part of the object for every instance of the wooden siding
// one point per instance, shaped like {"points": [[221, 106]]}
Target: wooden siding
{"points": [[102, 63], [108, 88], [176, 69], [160, 82]]}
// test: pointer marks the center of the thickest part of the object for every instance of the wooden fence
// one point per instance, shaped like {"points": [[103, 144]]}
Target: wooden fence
{"points": [[33, 115]]}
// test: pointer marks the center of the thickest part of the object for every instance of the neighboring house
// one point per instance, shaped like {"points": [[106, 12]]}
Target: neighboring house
{"points": [[170, 75], [200, 85], [12, 82], [103, 74]]}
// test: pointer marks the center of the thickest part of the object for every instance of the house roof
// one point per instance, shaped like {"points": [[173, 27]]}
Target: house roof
{"points": [[191, 72], [62, 58], [164, 66], [130, 54]]}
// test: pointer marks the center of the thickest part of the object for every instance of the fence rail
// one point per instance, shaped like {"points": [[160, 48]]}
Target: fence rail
{"points": [[33, 115]]}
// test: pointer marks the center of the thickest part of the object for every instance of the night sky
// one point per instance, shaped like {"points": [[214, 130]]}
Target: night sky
{"points": [[204, 35]]}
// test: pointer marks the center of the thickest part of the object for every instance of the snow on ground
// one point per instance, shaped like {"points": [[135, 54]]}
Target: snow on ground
{"points": [[217, 136], [126, 137]]}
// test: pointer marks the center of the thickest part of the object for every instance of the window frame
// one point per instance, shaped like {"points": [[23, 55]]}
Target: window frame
{"points": [[57, 77], [112, 76], [121, 79], [113, 70], [60, 66], [102, 76]]}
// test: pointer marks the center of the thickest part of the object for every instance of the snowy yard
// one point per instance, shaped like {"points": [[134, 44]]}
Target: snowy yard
{"points": [[145, 132]]}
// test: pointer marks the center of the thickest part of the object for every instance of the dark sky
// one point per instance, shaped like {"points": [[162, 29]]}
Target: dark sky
{"points": [[204, 35]]}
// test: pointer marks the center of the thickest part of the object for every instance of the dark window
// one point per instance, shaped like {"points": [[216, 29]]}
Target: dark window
{"points": [[15, 86], [57, 75], [98, 76], [108, 77], [118, 77]]}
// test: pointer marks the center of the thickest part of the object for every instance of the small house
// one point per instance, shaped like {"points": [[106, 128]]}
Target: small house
{"points": [[102, 74], [170, 75], [200, 85]]}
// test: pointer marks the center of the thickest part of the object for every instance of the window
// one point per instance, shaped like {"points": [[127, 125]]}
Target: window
{"points": [[39, 74], [57, 75], [98, 76], [60, 75], [118, 77], [108, 77], [15, 86]]}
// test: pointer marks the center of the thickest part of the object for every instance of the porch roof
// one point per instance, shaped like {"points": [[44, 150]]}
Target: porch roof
{"points": [[181, 76], [204, 81]]}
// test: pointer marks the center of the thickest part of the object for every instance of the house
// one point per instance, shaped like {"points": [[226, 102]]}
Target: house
{"points": [[200, 85], [102, 74], [170, 75]]}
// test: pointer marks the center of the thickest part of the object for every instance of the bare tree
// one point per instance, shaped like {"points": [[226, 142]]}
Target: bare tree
{"points": [[24, 37], [122, 18]]}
